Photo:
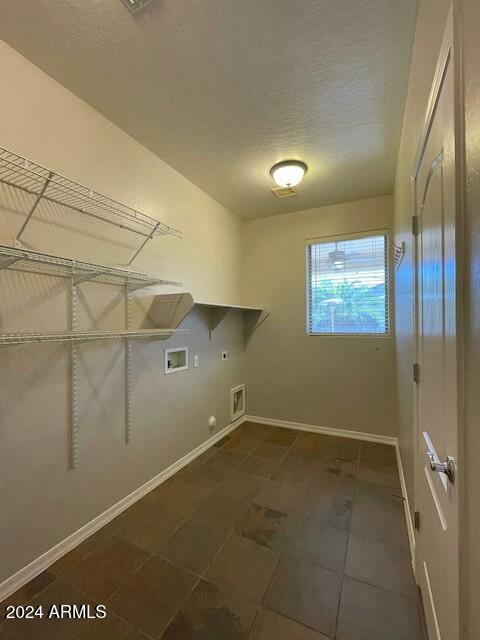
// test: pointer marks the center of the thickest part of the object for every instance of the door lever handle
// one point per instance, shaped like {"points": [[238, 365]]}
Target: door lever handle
{"points": [[447, 467]]}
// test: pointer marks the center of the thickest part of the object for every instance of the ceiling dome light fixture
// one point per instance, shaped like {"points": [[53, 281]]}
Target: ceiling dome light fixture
{"points": [[288, 173]]}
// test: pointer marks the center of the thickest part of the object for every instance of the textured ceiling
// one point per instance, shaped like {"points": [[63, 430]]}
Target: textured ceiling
{"points": [[223, 89]]}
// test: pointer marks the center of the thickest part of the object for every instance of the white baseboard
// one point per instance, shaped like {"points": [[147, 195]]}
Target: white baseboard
{"points": [[330, 431], [34, 568], [406, 504]]}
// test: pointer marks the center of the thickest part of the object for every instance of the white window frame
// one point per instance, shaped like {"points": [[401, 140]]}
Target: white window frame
{"points": [[339, 238]]}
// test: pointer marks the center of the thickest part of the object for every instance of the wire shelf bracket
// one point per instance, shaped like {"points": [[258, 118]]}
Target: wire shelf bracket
{"points": [[34, 206], [43, 184], [128, 368], [398, 252], [78, 273], [172, 308], [73, 377]]}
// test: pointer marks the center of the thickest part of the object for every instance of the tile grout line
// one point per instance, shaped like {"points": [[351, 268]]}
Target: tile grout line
{"points": [[258, 613], [280, 460], [340, 598], [261, 604], [300, 624], [279, 558], [376, 586], [178, 609], [216, 554]]}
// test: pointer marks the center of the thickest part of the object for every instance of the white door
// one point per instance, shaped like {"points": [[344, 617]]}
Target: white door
{"points": [[436, 395]]}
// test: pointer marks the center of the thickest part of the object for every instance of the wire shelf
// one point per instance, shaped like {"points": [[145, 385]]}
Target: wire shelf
{"points": [[10, 339], [14, 258], [18, 172]]}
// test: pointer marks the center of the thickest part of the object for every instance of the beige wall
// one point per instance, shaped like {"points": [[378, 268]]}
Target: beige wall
{"points": [[429, 32], [41, 500], [344, 382], [43, 121]]}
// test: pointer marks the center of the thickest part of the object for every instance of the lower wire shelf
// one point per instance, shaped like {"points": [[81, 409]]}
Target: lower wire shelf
{"points": [[11, 339]]}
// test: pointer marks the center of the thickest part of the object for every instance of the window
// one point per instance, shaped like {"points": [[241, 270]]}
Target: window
{"points": [[347, 286]]}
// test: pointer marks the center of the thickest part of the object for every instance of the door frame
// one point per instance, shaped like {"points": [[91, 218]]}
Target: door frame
{"points": [[450, 50]]}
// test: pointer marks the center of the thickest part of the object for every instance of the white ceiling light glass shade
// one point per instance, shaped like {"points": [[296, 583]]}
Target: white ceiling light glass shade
{"points": [[288, 173]]}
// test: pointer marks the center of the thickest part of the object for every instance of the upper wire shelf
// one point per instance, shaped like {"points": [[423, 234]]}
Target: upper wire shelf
{"points": [[11, 257], [43, 184], [11, 339]]}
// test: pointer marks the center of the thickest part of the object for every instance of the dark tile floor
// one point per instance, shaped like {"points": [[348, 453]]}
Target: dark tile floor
{"points": [[272, 534]]}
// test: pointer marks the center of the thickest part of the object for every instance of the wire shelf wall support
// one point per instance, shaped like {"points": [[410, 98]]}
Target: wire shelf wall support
{"points": [[8, 262], [128, 367], [34, 206], [84, 278], [143, 244], [73, 377], [397, 252]]}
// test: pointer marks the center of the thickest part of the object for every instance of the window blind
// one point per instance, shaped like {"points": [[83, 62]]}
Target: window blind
{"points": [[347, 286]]}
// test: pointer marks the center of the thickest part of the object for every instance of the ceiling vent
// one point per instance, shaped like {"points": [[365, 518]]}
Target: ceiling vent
{"points": [[284, 192], [136, 5]]}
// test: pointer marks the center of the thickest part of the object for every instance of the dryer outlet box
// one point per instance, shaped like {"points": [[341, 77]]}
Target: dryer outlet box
{"points": [[237, 402]]}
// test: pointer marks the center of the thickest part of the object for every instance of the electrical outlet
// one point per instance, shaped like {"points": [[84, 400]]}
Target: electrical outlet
{"points": [[195, 361], [224, 355]]}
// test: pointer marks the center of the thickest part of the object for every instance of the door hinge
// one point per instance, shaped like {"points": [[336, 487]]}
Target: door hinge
{"points": [[416, 520], [415, 225], [416, 373]]}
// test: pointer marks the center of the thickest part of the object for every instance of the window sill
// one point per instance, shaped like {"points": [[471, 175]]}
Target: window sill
{"points": [[350, 335]]}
